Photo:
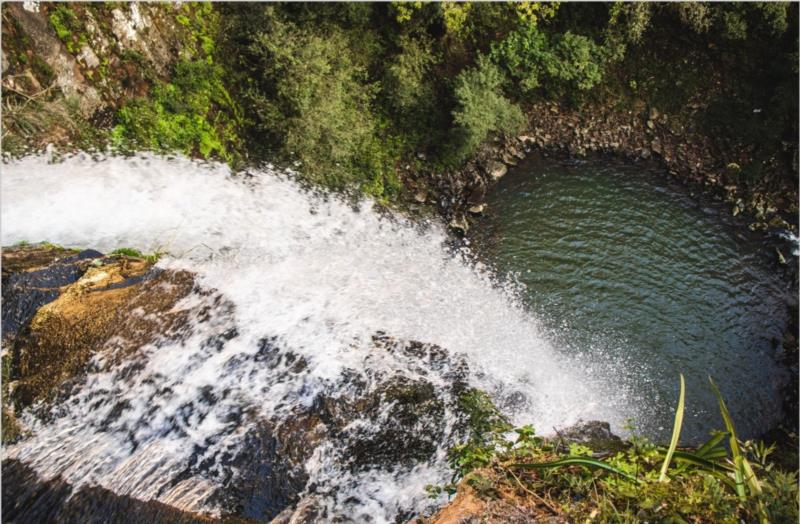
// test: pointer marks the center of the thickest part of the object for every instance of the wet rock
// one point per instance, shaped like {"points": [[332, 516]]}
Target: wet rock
{"points": [[34, 276], [593, 434], [460, 223], [496, 170], [655, 146], [477, 209], [28, 498], [308, 511], [267, 479], [477, 195], [73, 307], [509, 160], [376, 420]]}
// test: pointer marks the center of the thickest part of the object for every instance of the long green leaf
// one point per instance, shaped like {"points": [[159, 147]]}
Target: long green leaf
{"points": [[720, 471], [712, 448], [574, 461], [701, 462], [743, 472], [676, 431]]}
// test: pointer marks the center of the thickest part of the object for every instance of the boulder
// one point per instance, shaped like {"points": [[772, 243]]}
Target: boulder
{"points": [[593, 434], [477, 209], [496, 169], [459, 222], [73, 306]]}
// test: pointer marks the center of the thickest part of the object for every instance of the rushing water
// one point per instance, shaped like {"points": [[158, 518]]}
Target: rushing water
{"points": [[315, 276], [617, 261]]}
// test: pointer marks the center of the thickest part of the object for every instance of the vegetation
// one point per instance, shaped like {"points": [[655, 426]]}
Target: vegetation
{"points": [[68, 27], [644, 482], [135, 253], [193, 113], [351, 94], [482, 109]]}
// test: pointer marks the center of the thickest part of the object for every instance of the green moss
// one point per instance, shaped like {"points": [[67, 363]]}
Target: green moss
{"points": [[135, 253], [68, 27], [128, 252]]}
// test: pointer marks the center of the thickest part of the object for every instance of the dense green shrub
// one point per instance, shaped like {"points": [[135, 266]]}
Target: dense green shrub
{"points": [[193, 114], [406, 84], [315, 101], [560, 63], [482, 107]]}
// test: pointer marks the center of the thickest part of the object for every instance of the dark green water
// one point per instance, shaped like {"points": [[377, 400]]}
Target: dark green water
{"points": [[627, 269]]}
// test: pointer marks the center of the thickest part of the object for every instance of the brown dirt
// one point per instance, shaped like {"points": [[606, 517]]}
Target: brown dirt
{"points": [[502, 505]]}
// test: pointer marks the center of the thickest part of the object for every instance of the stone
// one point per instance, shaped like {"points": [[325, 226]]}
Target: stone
{"points": [[477, 195], [34, 276], [421, 196], [496, 169], [477, 209], [508, 159], [73, 307], [88, 57], [27, 497], [593, 434], [459, 223], [655, 146]]}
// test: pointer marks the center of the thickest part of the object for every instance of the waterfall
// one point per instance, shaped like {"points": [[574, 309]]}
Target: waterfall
{"points": [[318, 277]]}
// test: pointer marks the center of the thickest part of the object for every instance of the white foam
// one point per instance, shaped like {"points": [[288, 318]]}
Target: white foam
{"points": [[311, 270]]}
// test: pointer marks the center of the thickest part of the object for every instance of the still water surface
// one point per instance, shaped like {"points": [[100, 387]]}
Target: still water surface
{"points": [[623, 266]]}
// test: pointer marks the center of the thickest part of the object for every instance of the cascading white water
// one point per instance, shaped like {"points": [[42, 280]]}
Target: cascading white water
{"points": [[308, 269]]}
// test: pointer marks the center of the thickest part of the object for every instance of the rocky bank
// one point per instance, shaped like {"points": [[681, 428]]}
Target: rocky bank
{"points": [[638, 135]]}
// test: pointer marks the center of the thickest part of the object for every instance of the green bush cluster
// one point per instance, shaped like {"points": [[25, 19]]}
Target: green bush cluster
{"points": [[481, 107], [562, 63], [193, 114]]}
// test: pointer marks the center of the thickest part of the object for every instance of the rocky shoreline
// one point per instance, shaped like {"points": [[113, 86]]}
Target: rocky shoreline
{"points": [[644, 135]]}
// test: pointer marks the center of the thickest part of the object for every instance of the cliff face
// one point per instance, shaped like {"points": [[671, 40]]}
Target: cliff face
{"points": [[68, 67]]}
